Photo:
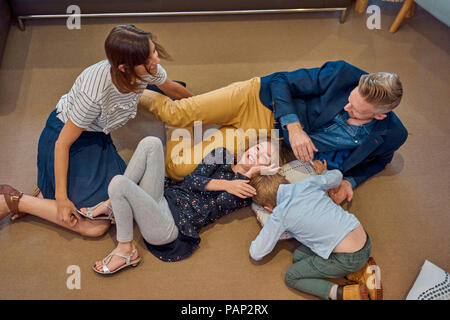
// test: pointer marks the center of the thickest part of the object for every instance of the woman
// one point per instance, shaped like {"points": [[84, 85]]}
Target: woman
{"points": [[170, 213], [76, 156]]}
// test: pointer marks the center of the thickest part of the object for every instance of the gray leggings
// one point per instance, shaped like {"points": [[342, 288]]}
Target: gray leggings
{"points": [[139, 195]]}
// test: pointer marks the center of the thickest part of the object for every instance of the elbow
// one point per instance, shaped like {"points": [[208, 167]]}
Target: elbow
{"points": [[254, 255], [60, 145], [255, 258], [336, 172]]}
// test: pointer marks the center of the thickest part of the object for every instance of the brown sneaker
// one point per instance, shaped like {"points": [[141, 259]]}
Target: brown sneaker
{"points": [[363, 275], [353, 292]]}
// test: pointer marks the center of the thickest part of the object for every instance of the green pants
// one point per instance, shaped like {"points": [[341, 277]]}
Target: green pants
{"points": [[308, 270]]}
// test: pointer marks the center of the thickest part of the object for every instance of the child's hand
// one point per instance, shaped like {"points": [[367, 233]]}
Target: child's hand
{"points": [[263, 170], [341, 193], [240, 188], [319, 166]]}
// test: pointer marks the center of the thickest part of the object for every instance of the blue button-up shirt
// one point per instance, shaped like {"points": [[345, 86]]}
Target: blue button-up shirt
{"points": [[336, 140]]}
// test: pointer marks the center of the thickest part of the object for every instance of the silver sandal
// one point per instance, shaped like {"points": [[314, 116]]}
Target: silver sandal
{"points": [[108, 258], [100, 217]]}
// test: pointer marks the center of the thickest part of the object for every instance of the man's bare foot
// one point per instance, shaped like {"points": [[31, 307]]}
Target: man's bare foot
{"points": [[116, 261], [103, 208]]}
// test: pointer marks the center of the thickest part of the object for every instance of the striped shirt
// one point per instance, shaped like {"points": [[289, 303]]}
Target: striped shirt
{"points": [[95, 104]]}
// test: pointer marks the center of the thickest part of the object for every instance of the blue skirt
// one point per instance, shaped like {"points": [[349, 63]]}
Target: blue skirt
{"points": [[93, 162]]}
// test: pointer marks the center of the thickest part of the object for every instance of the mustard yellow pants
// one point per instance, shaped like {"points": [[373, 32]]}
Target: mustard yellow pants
{"points": [[236, 108]]}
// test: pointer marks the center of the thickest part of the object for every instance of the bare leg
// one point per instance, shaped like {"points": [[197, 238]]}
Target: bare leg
{"points": [[47, 210], [22, 214]]}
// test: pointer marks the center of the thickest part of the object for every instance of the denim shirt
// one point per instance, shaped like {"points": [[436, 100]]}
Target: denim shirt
{"points": [[336, 140]]}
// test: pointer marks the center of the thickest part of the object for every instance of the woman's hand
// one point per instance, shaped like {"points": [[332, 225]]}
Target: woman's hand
{"points": [[67, 212], [239, 188]]}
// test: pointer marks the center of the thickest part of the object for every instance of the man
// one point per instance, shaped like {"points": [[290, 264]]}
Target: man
{"points": [[336, 112]]}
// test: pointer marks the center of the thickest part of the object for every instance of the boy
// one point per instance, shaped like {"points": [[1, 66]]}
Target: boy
{"points": [[334, 243]]}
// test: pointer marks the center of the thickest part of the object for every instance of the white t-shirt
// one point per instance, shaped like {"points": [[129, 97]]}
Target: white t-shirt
{"points": [[95, 104]]}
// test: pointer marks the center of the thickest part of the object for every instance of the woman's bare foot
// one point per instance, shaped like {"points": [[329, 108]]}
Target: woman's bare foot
{"points": [[124, 249], [103, 208]]}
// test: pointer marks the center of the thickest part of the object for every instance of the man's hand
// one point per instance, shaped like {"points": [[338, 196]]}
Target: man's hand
{"points": [[341, 193], [67, 212], [239, 188], [300, 142], [319, 167]]}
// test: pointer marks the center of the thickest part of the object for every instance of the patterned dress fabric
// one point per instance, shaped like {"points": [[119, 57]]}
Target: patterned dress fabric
{"points": [[193, 207]]}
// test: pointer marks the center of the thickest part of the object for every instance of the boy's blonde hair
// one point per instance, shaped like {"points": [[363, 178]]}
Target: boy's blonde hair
{"points": [[266, 188], [382, 89]]}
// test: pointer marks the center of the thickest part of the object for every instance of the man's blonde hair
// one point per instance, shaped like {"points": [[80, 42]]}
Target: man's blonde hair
{"points": [[382, 89], [266, 188]]}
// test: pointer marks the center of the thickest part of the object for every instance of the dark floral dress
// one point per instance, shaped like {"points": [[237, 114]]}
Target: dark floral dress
{"points": [[193, 207]]}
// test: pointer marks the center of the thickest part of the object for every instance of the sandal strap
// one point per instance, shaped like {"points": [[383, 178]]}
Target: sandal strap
{"points": [[36, 192], [14, 196], [105, 261], [91, 209], [127, 258], [105, 268], [111, 213]]}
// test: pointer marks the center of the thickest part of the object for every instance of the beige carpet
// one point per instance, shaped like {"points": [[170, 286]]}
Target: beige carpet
{"points": [[405, 208]]}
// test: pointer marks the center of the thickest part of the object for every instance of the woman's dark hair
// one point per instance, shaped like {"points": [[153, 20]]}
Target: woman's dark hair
{"points": [[129, 46]]}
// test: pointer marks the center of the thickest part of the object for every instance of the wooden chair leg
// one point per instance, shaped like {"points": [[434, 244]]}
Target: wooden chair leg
{"points": [[410, 12], [401, 15], [361, 6]]}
